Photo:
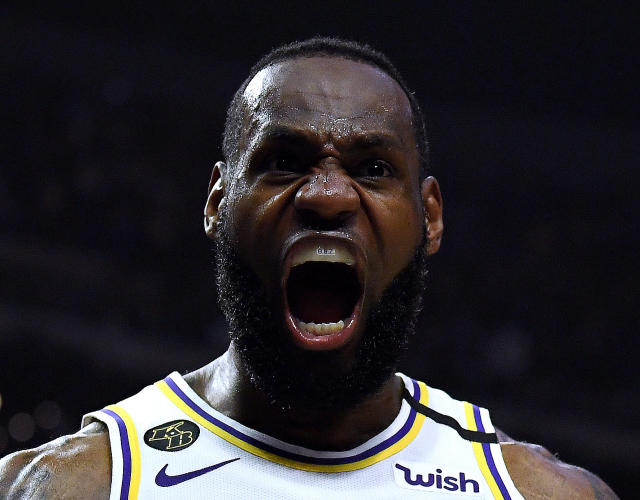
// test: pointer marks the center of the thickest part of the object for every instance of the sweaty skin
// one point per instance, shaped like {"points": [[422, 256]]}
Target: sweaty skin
{"points": [[307, 121]]}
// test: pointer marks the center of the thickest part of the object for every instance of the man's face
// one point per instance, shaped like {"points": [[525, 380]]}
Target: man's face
{"points": [[329, 161], [323, 207]]}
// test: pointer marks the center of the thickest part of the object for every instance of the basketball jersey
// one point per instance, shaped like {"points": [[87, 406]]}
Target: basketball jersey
{"points": [[167, 442]]}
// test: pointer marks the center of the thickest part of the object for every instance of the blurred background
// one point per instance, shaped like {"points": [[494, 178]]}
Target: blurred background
{"points": [[111, 122]]}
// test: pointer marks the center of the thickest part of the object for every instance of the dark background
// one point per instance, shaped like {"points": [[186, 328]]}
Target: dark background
{"points": [[111, 122]]}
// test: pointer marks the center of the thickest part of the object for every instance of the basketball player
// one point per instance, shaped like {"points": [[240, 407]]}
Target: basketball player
{"points": [[322, 214]]}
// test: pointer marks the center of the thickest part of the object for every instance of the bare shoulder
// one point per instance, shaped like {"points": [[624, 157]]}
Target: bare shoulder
{"points": [[70, 467], [539, 474]]}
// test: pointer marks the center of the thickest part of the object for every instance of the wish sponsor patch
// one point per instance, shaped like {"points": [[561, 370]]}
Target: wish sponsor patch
{"points": [[172, 436], [433, 478]]}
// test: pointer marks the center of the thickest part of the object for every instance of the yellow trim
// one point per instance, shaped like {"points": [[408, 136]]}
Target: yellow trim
{"points": [[479, 453], [400, 445], [134, 484]]}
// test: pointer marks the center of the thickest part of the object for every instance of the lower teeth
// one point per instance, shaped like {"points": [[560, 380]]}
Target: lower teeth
{"points": [[321, 328]]}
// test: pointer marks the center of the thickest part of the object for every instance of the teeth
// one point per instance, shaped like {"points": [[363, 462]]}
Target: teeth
{"points": [[332, 252], [321, 328]]}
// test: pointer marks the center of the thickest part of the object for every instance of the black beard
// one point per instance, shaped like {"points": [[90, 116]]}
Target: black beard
{"points": [[293, 378]]}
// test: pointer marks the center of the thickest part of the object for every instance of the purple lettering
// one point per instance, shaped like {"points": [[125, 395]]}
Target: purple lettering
{"points": [[450, 483], [437, 480], [418, 481], [464, 481]]}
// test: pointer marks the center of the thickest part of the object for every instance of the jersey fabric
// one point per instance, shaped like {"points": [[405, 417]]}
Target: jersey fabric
{"points": [[167, 442]]}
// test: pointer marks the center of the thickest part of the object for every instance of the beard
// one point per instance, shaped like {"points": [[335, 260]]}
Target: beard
{"points": [[314, 380]]}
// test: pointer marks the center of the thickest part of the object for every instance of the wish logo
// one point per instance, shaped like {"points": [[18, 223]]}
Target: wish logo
{"points": [[420, 476], [172, 436]]}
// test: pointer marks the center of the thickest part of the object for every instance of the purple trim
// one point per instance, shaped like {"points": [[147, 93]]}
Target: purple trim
{"points": [[126, 454], [486, 448], [295, 456]]}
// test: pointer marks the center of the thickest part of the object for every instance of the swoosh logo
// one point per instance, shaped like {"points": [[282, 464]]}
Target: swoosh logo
{"points": [[163, 479]]}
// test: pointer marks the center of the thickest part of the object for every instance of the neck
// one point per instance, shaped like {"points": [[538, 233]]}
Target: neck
{"points": [[227, 389]]}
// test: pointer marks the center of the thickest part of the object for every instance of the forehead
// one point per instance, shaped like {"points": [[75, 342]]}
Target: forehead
{"points": [[329, 94]]}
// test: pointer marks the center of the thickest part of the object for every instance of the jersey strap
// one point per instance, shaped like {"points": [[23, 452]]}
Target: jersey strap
{"points": [[125, 452], [485, 455], [469, 435]]}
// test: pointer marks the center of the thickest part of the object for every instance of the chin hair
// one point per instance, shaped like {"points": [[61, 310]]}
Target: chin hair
{"points": [[294, 378]]}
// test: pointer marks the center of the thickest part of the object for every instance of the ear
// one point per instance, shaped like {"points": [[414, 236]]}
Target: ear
{"points": [[432, 200], [214, 199]]}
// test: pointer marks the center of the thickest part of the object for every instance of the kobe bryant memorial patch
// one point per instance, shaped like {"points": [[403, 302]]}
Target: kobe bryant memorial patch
{"points": [[172, 436]]}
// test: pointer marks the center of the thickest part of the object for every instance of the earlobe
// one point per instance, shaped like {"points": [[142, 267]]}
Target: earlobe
{"points": [[432, 200], [214, 199]]}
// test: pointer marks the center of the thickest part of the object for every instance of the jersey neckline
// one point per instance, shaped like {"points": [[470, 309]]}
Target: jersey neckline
{"points": [[397, 436]]}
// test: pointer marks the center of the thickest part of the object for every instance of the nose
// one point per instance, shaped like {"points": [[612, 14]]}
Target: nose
{"points": [[329, 195]]}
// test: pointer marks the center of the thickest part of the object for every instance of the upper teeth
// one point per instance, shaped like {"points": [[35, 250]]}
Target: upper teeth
{"points": [[333, 252]]}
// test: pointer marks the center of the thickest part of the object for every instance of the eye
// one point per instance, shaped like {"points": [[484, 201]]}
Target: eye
{"points": [[283, 163], [374, 168]]}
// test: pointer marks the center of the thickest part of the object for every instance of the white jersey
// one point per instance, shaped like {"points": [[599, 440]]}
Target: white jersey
{"points": [[167, 442]]}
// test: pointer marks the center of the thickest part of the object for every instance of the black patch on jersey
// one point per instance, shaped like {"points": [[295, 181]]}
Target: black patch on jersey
{"points": [[172, 436], [476, 436]]}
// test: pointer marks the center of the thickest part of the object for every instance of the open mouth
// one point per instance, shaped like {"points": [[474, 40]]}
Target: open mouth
{"points": [[323, 293]]}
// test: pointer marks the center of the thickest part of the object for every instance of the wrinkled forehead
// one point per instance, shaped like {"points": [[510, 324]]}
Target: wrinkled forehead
{"points": [[328, 91]]}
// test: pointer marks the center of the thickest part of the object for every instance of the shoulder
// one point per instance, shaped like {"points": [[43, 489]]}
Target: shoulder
{"points": [[75, 466], [539, 474]]}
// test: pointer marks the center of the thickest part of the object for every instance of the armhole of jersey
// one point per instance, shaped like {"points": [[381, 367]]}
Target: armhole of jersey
{"points": [[125, 452], [489, 456]]}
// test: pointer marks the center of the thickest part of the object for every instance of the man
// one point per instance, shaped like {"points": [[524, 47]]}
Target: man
{"points": [[322, 215]]}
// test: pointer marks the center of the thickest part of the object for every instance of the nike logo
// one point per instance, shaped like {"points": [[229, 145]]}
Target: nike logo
{"points": [[163, 479]]}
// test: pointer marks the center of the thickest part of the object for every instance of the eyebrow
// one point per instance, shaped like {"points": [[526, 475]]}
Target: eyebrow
{"points": [[283, 134], [374, 140]]}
